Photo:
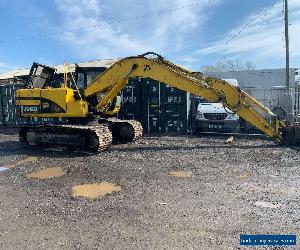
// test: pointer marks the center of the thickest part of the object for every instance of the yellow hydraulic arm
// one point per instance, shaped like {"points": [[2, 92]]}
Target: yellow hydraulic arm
{"points": [[115, 78]]}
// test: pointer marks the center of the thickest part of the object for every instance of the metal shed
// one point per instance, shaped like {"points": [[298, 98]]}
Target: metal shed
{"points": [[264, 78]]}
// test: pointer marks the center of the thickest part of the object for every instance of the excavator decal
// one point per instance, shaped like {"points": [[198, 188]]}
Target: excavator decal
{"points": [[147, 68]]}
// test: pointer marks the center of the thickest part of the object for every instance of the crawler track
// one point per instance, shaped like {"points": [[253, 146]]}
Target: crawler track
{"points": [[84, 138], [125, 130]]}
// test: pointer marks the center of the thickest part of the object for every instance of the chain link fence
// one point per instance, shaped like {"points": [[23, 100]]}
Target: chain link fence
{"points": [[214, 118]]}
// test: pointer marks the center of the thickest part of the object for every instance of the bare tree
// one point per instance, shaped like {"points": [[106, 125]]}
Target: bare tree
{"points": [[228, 65], [250, 65]]}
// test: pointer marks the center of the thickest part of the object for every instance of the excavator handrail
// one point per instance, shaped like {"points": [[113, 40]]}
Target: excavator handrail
{"points": [[115, 78]]}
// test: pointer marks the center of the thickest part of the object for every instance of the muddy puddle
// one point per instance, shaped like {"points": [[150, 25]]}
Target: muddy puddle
{"points": [[2, 169], [47, 173], [267, 204], [24, 161], [181, 174], [95, 190]]}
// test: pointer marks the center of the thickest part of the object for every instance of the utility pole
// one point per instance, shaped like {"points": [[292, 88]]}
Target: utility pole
{"points": [[287, 46], [287, 60]]}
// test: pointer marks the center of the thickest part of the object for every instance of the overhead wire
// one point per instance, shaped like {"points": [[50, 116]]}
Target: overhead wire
{"points": [[259, 16]]}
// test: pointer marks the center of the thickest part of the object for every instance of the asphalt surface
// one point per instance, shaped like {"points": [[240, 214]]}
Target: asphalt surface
{"points": [[249, 186]]}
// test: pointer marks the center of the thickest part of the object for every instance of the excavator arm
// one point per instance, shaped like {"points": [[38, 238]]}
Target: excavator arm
{"points": [[115, 78]]}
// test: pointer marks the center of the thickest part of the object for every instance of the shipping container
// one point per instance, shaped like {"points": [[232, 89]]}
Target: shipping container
{"points": [[176, 109], [8, 109], [159, 107], [131, 101]]}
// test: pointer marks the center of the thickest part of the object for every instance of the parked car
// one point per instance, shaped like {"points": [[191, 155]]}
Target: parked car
{"points": [[214, 117]]}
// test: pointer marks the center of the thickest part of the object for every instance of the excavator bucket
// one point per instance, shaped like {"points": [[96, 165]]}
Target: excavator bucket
{"points": [[291, 135]]}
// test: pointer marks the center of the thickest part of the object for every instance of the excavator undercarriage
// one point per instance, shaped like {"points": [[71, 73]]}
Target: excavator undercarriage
{"points": [[91, 137], [79, 137]]}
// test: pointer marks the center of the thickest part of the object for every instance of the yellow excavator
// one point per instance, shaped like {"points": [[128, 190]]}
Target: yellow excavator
{"points": [[90, 112]]}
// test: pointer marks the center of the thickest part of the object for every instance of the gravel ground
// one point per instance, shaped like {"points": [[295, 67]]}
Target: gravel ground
{"points": [[247, 186]]}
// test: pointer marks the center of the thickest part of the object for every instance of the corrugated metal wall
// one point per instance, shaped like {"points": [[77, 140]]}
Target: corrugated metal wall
{"points": [[8, 110], [8, 107], [159, 107]]}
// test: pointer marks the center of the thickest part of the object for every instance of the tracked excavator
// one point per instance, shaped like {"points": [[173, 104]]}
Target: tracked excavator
{"points": [[91, 111]]}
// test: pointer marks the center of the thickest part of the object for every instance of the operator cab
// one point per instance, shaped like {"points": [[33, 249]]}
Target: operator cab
{"points": [[41, 76]]}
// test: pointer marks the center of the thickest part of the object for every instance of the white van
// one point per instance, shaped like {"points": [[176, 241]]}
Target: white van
{"points": [[214, 117]]}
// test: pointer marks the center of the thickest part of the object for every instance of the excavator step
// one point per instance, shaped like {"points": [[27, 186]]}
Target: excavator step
{"points": [[95, 138]]}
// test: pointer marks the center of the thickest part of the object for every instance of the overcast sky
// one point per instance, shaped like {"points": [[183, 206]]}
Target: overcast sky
{"points": [[188, 32]]}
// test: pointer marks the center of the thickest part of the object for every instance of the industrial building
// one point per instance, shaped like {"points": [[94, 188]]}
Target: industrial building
{"points": [[263, 78]]}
